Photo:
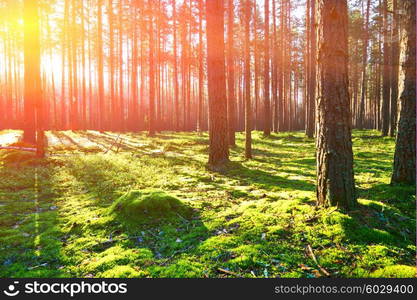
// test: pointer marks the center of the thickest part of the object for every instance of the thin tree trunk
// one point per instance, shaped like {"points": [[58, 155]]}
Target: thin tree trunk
{"points": [[248, 105], [176, 88], [100, 71], [361, 118], [386, 91], [313, 73], [200, 67], [267, 102], [395, 68], [151, 117]]}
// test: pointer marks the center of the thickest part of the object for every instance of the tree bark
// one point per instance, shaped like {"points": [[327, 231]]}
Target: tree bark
{"points": [[219, 143], [395, 68], [32, 80], [312, 74], [405, 150], [231, 108], [151, 116], [100, 71], [335, 180], [386, 89], [200, 114], [248, 104], [267, 101], [364, 68]]}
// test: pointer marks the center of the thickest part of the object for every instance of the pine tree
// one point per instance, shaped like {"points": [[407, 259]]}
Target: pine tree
{"points": [[32, 96], [405, 150], [247, 66], [219, 144], [335, 180]]}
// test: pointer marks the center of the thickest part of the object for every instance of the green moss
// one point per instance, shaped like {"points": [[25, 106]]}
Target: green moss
{"points": [[182, 268], [396, 271], [124, 272], [154, 210], [136, 205], [112, 258]]}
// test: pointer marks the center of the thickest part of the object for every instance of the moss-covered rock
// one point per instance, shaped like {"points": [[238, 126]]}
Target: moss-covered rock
{"points": [[136, 205]]}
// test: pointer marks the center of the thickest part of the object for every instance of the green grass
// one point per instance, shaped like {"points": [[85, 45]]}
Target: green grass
{"points": [[153, 209]]}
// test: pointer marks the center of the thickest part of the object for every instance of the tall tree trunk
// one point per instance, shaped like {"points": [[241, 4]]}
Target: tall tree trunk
{"points": [[92, 115], [219, 144], [100, 71], [151, 117], [176, 88], [405, 150], [257, 64], [134, 111], [248, 104], [267, 85], [120, 105], [200, 67], [113, 101], [274, 84], [395, 68], [267, 101], [74, 90], [361, 118], [313, 73], [335, 180], [64, 49], [84, 69], [386, 89], [231, 109], [32, 95], [307, 64]]}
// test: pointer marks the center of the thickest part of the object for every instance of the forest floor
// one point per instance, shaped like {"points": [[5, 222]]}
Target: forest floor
{"points": [[68, 215]]}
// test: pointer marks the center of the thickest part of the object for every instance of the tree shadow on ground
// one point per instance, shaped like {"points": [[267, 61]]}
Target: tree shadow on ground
{"points": [[166, 236], [30, 236], [376, 224], [106, 141], [369, 137], [397, 196], [264, 179], [385, 215]]}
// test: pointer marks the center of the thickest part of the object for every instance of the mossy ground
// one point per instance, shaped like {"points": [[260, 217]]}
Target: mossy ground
{"points": [[253, 219]]}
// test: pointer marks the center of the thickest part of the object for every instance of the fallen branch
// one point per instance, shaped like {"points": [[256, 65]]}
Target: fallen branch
{"points": [[114, 143], [39, 266], [19, 148], [228, 272], [313, 257]]}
